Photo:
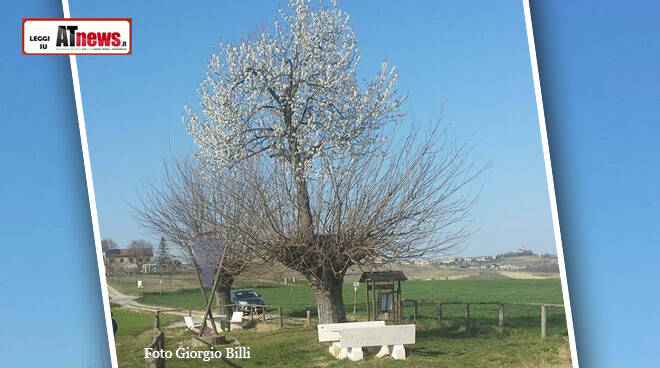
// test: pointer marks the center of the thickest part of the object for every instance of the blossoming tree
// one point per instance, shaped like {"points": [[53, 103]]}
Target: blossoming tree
{"points": [[289, 99]]}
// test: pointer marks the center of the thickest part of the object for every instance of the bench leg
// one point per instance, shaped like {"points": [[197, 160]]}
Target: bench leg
{"points": [[398, 352], [355, 354], [343, 353], [334, 349], [384, 351]]}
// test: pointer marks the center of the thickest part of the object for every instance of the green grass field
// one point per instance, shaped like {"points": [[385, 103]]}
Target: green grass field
{"points": [[448, 343], [297, 299]]}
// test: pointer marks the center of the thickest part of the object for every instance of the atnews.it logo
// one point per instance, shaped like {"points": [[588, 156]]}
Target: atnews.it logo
{"points": [[77, 36]]}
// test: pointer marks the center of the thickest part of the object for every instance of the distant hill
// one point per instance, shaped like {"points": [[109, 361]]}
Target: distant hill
{"points": [[531, 263], [517, 265]]}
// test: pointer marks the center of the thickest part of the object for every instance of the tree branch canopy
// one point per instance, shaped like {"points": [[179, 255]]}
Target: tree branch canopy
{"points": [[292, 92], [411, 199], [188, 207]]}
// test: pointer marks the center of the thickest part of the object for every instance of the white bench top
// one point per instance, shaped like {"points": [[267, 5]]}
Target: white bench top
{"points": [[190, 324], [330, 331], [377, 336], [237, 317]]}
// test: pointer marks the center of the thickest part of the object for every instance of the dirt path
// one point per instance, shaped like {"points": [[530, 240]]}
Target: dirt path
{"points": [[130, 302], [459, 277], [528, 276]]}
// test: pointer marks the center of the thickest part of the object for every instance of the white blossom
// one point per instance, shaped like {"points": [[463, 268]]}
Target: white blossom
{"points": [[292, 92]]}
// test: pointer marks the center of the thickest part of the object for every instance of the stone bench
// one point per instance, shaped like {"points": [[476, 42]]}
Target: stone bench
{"points": [[194, 326], [329, 332], [352, 340], [236, 322]]}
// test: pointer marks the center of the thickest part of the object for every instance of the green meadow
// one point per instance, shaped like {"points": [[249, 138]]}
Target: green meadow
{"points": [[450, 342]]}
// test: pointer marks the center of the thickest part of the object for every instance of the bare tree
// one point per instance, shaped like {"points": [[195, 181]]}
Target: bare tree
{"points": [[108, 243], [409, 199], [325, 192], [187, 207], [142, 252]]}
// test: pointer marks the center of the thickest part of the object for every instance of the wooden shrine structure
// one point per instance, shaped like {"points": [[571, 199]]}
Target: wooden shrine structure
{"points": [[383, 295]]}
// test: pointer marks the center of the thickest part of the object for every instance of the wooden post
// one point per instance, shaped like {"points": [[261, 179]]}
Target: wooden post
{"points": [[366, 298], [279, 309], [203, 291], [395, 307], [501, 324], [439, 312], [373, 302], [467, 314], [209, 303], [415, 311], [309, 318], [160, 343], [544, 316], [157, 320], [398, 297]]}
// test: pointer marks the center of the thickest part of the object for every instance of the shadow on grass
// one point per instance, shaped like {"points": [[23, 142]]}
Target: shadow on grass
{"points": [[229, 362], [425, 352], [258, 286]]}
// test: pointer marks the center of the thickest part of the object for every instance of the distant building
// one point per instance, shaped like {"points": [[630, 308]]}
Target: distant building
{"points": [[127, 259], [174, 266]]}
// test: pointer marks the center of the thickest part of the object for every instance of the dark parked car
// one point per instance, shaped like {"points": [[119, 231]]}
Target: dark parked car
{"points": [[246, 299]]}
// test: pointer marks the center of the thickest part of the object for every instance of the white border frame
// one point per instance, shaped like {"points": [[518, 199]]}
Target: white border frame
{"points": [[551, 183], [92, 199], [546, 156]]}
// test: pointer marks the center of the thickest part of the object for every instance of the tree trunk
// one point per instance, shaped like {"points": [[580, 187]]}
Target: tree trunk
{"points": [[304, 209], [329, 299], [328, 287], [223, 296]]}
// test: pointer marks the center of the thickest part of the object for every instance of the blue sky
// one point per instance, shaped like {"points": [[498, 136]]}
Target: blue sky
{"points": [[469, 59]]}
